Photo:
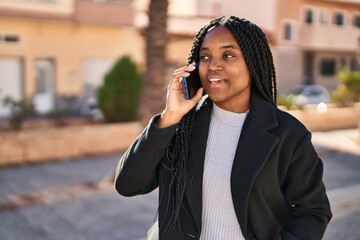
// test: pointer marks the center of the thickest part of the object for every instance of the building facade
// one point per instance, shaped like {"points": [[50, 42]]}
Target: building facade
{"points": [[54, 48], [315, 38], [310, 39]]}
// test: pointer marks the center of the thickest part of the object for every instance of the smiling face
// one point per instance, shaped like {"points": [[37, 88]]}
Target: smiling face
{"points": [[223, 71]]}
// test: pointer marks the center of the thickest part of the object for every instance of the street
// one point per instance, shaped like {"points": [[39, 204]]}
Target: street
{"points": [[62, 200]]}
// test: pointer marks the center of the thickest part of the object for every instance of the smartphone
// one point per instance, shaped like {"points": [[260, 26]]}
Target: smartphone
{"points": [[191, 83]]}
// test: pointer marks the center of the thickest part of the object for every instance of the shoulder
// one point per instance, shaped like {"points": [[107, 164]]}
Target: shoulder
{"points": [[288, 121], [289, 127]]}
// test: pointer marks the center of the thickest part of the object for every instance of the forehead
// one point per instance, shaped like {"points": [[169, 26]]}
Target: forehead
{"points": [[219, 36]]}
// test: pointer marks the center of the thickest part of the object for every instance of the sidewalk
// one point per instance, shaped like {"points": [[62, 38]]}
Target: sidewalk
{"points": [[36, 177], [68, 200], [347, 140], [63, 200]]}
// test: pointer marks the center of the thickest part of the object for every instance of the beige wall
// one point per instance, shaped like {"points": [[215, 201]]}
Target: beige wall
{"points": [[329, 38], [110, 13], [56, 7], [68, 45], [178, 50], [289, 66], [260, 12]]}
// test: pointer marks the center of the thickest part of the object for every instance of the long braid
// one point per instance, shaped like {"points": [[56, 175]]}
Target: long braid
{"points": [[258, 58]]}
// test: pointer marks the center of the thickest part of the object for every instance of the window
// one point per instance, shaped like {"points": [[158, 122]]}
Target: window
{"points": [[356, 21], [339, 19], [309, 16], [288, 32], [9, 38], [354, 65], [47, 1], [324, 19], [40, 81], [327, 67], [111, 1]]}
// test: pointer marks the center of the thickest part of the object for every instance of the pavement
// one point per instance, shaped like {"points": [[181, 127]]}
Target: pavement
{"points": [[346, 140], [72, 200]]}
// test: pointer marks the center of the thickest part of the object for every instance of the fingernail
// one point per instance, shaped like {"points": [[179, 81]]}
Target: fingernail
{"points": [[193, 64]]}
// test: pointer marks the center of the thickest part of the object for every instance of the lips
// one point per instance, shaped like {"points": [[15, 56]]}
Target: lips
{"points": [[215, 81]]}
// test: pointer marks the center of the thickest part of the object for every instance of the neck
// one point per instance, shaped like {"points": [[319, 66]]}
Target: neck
{"points": [[235, 108]]}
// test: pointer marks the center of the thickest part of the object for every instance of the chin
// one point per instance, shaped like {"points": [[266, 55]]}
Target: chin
{"points": [[215, 98]]}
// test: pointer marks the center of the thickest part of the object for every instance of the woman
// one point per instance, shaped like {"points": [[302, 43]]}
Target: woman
{"points": [[229, 165]]}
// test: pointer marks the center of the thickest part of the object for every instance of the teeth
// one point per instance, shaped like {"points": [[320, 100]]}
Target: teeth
{"points": [[215, 80]]}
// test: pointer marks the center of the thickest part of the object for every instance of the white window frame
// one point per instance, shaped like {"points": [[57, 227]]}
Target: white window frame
{"points": [[3, 36], [324, 13], [293, 24], [314, 11], [332, 59], [345, 15], [47, 1], [353, 16]]}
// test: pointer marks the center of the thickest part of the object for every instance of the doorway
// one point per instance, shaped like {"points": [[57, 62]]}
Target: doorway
{"points": [[10, 82], [44, 86]]}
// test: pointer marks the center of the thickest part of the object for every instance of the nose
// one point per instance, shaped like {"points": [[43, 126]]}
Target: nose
{"points": [[214, 65]]}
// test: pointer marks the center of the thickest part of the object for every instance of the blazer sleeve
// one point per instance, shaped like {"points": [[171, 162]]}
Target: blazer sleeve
{"points": [[305, 194], [137, 170]]}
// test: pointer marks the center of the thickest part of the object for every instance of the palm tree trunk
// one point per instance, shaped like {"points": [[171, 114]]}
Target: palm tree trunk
{"points": [[153, 99]]}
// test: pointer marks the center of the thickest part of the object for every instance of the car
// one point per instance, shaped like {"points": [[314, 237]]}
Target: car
{"points": [[89, 108], [302, 95]]}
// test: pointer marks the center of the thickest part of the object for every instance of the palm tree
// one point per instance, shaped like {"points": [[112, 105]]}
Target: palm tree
{"points": [[153, 97], [156, 40]]}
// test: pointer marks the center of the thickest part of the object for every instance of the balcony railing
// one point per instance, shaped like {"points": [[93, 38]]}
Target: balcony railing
{"points": [[108, 1], [329, 37], [115, 12]]}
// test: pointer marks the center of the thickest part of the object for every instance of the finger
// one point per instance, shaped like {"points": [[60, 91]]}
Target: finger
{"points": [[188, 68], [178, 76]]}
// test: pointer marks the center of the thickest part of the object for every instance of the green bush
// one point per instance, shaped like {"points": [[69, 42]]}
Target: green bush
{"points": [[118, 97], [348, 91], [20, 111], [286, 101]]}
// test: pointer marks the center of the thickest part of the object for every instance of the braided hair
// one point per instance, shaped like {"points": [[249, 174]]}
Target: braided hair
{"points": [[255, 48]]}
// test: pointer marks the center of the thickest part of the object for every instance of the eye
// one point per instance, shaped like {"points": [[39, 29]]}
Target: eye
{"points": [[227, 55], [204, 57]]}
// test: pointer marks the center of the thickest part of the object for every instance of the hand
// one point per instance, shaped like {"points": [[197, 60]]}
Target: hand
{"points": [[176, 104]]}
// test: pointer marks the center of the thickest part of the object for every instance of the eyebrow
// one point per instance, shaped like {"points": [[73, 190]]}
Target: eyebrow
{"points": [[222, 47]]}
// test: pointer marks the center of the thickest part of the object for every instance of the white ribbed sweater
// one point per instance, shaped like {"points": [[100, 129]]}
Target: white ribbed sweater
{"points": [[218, 215]]}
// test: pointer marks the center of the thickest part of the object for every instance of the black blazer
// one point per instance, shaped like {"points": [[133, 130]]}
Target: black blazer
{"points": [[276, 178]]}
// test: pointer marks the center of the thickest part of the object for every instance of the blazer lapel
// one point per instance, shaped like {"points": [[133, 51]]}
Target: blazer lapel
{"points": [[195, 165], [255, 146]]}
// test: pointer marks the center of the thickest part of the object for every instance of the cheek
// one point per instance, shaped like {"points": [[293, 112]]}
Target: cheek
{"points": [[245, 75], [202, 73]]}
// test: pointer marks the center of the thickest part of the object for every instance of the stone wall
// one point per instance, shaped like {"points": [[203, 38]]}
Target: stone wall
{"points": [[61, 143], [334, 118], [32, 145]]}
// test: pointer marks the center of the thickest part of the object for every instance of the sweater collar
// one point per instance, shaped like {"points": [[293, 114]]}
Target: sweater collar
{"points": [[227, 117]]}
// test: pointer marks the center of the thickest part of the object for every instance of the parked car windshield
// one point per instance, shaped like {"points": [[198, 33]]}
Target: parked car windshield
{"points": [[308, 94]]}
